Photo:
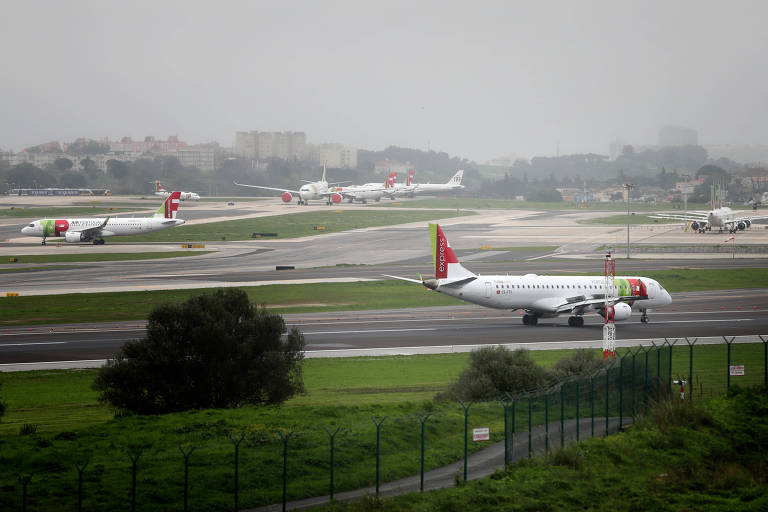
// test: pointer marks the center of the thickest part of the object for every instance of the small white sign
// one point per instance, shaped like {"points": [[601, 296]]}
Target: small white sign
{"points": [[737, 369], [481, 434]]}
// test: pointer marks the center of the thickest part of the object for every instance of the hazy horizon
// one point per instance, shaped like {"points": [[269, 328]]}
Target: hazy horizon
{"points": [[477, 81]]}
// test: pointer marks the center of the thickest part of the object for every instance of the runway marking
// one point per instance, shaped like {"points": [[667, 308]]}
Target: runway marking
{"points": [[26, 344], [371, 330], [65, 331]]}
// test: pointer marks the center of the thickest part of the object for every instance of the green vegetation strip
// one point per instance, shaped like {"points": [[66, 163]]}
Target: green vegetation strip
{"points": [[492, 204], [71, 424], [634, 219], [66, 211], [57, 258], [290, 226], [388, 294]]}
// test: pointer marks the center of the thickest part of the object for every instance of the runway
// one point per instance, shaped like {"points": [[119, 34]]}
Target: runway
{"points": [[694, 314]]}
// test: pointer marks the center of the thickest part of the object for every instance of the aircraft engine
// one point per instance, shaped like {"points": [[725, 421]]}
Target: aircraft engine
{"points": [[74, 236], [741, 225], [748, 222], [336, 198], [695, 226], [619, 311], [287, 197]]}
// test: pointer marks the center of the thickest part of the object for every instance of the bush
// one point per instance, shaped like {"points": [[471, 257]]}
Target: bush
{"points": [[2, 404], [579, 362], [494, 371], [214, 350]]}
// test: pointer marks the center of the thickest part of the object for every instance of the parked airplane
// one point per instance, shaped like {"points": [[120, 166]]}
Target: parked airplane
{"points": [[311, 191], [430, 188], [540, 296], [96, 229], [160, 191], [722, 218], [368, 191]]}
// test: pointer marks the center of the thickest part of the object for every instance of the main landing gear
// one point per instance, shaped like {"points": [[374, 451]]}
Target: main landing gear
{"points": [[98, 241], [644, 316], [43, 240], [530, 320], [576, 321]]}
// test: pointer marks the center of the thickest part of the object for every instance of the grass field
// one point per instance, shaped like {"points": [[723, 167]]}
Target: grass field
{"points": [[290, 226], [67, 211], [345, 393], [386, 294], [492, 204], [124, 256], [634, 219]]}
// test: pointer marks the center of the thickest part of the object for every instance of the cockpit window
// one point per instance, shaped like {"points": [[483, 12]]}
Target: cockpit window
{"points": [[31, 225]]}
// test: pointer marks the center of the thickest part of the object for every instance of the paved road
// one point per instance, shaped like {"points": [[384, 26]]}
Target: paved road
{"points": [[695, 314]]}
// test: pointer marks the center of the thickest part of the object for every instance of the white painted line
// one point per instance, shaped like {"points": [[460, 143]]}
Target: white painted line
{"points": [[370, 330], [28, 344]]}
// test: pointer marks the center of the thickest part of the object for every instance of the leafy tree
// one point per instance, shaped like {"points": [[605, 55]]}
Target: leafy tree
{"points": [[62, 164], [214, 350], [117, 169], [494, 371], [72, 180], [578, 362], [89, 167], [545, 195]]}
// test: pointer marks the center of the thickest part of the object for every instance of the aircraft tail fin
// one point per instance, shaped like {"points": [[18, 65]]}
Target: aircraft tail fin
{"points": [[324, 165], [159, 186], [456, 180], [170, 206], [391, 179], [409, 179], [446, 263]]}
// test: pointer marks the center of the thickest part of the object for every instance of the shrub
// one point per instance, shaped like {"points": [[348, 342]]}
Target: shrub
{"points": [[27, 429], [579, 362], [494, 371], [214, 350]]}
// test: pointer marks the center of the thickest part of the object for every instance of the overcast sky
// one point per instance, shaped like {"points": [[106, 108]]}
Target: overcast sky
{"points": [[476, 79]]}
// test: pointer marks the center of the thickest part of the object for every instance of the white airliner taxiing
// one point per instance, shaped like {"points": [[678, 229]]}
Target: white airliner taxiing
{"points": [[540, 296], [96, 229], [720, 218], [160, 191], [452, 185], [311, 191], [368, 191]]}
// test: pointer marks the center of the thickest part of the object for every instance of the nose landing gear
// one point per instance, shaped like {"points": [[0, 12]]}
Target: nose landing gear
{"points": [[644, 317], [530, 320]]}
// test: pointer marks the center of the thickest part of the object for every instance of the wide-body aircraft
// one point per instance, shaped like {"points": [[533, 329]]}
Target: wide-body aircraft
{"points": [[96, 229], [721, 218], [160, 191], [541, 296], [313, 190]]}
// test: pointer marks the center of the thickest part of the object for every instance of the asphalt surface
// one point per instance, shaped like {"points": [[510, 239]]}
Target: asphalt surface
{"points": [[444, 329]]}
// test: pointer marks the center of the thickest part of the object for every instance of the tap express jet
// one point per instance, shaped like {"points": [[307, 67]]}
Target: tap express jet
{"points": [[540, 296], [362, 193], [160, 191], [96, 229], [311, 191]]}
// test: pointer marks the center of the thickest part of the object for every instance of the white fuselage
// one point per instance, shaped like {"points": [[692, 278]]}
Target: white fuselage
{"points": [[115, 226], [191, 196], [719, 217], [542, 293], [313, 191]]}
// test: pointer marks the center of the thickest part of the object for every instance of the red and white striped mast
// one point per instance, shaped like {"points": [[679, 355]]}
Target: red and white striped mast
{"points": [[609, 327]]}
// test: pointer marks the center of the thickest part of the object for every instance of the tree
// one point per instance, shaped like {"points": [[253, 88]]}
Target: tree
{"points": [[214, 350], [494, 371], [117, 169], [72, 180], [62, 164]]}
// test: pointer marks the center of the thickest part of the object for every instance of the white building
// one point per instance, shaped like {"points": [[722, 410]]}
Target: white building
{"points": [[202, 157], [336, 155], [262, 145]]}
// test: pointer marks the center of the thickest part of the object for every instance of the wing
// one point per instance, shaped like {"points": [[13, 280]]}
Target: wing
{"points": [[690, 217], [94, 231], [267, 188]]}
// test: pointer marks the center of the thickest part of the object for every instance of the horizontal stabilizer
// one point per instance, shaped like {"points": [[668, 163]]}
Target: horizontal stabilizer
{"points": [[405, 279]]}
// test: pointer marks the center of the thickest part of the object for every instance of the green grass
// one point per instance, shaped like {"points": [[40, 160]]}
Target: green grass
{"points": [[635, 219], [385, 294], [290, 226], [345, 393], [67, 211], [473, 203], [59, 258]]}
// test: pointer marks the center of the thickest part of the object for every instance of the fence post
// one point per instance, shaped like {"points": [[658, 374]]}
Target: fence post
{"points": [[530, 425], [24, 480], [134, 456], [285, 436], [669, 379], [729, 343], [505, 405], [378, 421], [578, 416], [466, 429], [592, 403], [607, 402], [236, 442], [765, 360], [634, 391], [690, 367], [80, 467], [621, 392], [332, 437], [546, 422], [423, 420], [186, 455], [562, 416]]}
